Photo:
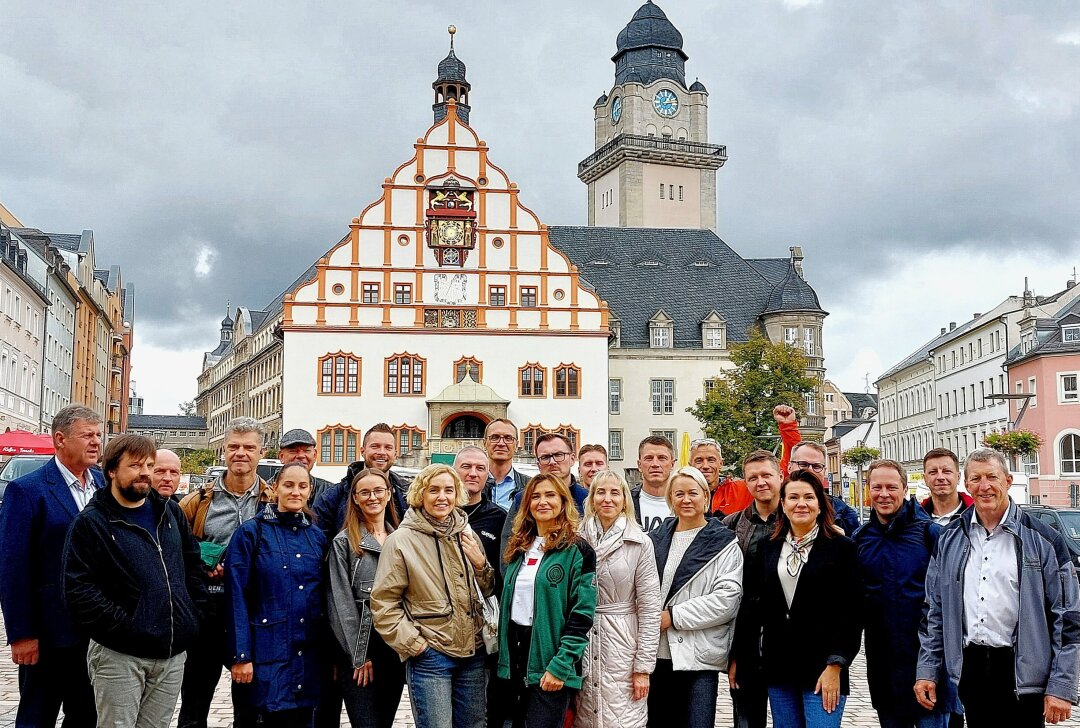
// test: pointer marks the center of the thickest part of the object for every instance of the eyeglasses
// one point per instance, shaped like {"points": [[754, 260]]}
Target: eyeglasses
{"points": [[555, 457], [366, 494], [803, 465], [501, 438]]}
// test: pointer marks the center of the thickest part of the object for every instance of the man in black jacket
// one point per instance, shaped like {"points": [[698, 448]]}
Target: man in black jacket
{"points": [[132, 582]]}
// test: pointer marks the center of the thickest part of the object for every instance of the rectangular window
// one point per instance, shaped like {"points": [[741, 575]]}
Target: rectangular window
{"points": [[324, 449], [614, 396], [402, 294], [371, 293], [980, 348], [808, 341], [671, 192], [661, 337], [714, 337], [811, 403], [528, 296], [497, 295], [661, 190], [1069, 392], [615, 444], [663, 396], [1070, 333], [1031, 463], [791, 336], [708, 386], [982, 394], [669, 434], [680, 193], [1031, 390]]}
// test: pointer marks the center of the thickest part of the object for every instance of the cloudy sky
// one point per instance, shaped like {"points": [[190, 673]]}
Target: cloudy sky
{"points": [[926, 155]]}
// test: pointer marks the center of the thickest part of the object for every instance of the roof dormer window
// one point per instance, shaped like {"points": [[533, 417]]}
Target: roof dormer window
{"points": [[1070, 334], [661, 331]]}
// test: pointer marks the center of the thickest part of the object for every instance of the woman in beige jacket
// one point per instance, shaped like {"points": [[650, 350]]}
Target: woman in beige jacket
{"points": [[626, 631], [426, 605]]}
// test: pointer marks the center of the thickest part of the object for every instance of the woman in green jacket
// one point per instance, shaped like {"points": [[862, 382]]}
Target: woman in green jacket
{"points": [[547, 605]]}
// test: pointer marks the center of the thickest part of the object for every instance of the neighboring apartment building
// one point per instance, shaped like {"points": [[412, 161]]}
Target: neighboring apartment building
{"points": [[1046, 366], [174, 432], [843, 478], [23, 303]]}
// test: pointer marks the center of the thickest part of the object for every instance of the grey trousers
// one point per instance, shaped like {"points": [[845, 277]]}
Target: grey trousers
{"points": [[133, 692]]}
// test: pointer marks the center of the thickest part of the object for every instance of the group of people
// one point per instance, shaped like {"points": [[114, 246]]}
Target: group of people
{"points": [[542, 601]]}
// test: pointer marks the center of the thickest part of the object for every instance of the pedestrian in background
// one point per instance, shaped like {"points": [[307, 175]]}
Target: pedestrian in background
{"points": [[811, 609], [895, 546], [427, 602], [700, 566], [166, 476], [547, 606], [34, 520], [373, 677], [274, 588], [626, 632], [132, 580]]}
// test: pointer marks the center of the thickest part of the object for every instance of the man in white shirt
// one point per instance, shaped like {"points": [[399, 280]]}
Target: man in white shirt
{"points": [[1003, 610], [656, 458]]}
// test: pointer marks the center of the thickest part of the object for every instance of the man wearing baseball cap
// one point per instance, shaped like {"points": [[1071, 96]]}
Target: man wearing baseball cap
{"points": [[298, 446]]}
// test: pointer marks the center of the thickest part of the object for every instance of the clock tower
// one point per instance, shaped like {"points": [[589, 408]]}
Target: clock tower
{"points": [[653, 165]]}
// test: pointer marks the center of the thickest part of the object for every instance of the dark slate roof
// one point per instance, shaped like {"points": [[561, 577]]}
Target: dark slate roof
{"points": [[774, 269], [792, 293], [698, 86], [861, 401], [686, 273], [67, 241], [257, 318], [165, 422], [845, 426], [1049, 336], [649, 28], [103, 276], [451, 68], [600, 101]]}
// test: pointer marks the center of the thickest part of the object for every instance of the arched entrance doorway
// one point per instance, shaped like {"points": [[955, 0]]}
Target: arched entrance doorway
{"points": [[464, 427]]}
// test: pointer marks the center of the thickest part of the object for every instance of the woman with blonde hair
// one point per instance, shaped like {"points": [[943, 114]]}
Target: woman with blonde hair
{"points": [[427, 603], [373, 678], [699, 564], [623, 643], [547, 606]]}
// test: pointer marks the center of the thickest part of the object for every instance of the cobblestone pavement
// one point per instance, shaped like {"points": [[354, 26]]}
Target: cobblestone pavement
{"points": [[857, 713]]}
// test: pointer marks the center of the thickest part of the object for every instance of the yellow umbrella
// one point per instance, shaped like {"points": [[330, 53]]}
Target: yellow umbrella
{"points": [[684, 450]]}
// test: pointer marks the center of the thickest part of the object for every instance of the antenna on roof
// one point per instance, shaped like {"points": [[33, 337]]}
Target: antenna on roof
{"points": [[866, 389]]}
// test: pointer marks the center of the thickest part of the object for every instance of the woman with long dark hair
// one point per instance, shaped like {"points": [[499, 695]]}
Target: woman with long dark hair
{"points": [[810, 608], [274, 586], [374, 677], [547, 606]]}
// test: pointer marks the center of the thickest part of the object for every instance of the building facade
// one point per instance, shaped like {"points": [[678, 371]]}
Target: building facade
{"points": [[22, 335], [178, 433], [1046, 366]]}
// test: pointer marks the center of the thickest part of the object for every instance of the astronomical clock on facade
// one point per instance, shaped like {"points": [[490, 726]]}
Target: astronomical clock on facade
{"points": [[444, 307]]}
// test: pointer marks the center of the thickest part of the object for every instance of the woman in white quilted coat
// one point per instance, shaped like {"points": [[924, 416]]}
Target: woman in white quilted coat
{"points": [[625, 634]]}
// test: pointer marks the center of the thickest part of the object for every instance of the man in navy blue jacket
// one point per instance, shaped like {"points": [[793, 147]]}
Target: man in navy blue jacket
{"points": [[895, 546], [34, 519]]}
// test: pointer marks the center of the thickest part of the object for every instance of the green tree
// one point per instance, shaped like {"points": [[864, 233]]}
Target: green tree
{"points": [[195, 462], [187, 409], [860, 456], [737, 411]]}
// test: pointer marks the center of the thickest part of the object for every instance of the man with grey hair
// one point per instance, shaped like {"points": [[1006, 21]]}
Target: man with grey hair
{"points": [[1003, 610], [37, 513], [214, 512], [486, 518]]}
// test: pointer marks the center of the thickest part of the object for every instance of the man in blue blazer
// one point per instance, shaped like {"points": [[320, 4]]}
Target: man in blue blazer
{"points": [[37, 510]]}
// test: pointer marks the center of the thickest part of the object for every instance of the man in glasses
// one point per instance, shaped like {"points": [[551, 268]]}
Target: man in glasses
{"points": [[503, 482], [733, 495], [811, 456], [554, 456]]}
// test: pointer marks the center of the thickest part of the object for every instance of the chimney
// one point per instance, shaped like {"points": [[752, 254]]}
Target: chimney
{"points": [[797, 259], [1069, 284], [952, 325], [942, 330], [976, 315]]}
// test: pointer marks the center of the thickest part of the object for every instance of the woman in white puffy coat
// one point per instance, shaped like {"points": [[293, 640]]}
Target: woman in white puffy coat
{"points": [[700, 567], [623, 641]]}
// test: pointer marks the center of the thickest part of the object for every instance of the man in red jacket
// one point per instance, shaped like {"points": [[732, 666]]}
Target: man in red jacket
{"points": [[732, 495], [941, 472]]}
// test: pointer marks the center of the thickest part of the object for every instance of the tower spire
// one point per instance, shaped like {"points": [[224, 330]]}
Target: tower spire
{"points": [[451, 84]]}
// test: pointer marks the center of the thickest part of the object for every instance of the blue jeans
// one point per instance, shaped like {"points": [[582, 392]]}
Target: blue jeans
{"points": [[796, 708], [447, 692], [682, 698], [932, 720]]}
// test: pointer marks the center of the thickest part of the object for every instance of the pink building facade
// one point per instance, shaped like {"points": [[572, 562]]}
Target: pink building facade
{"points": [[1046, 366]]}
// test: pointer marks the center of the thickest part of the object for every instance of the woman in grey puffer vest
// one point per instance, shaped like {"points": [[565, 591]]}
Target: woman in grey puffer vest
{"points": [[373, 679]]}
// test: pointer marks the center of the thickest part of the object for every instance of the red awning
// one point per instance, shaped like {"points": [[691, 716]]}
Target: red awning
{"points": [[21, 442]]}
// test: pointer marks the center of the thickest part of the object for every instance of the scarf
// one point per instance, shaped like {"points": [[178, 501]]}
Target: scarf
{"points": [[602, 540], [443, 528], [800, 551]]}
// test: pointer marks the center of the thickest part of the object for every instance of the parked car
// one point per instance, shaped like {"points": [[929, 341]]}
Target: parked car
{"points": [[19, 466], [1064, 520]]}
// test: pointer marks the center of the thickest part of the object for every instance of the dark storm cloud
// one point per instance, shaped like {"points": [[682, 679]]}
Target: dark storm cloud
{"points": [[257, 131]]}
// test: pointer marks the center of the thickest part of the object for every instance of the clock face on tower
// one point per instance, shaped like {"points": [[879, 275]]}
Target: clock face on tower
{"points": [[616, 110], [666, 102]]}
